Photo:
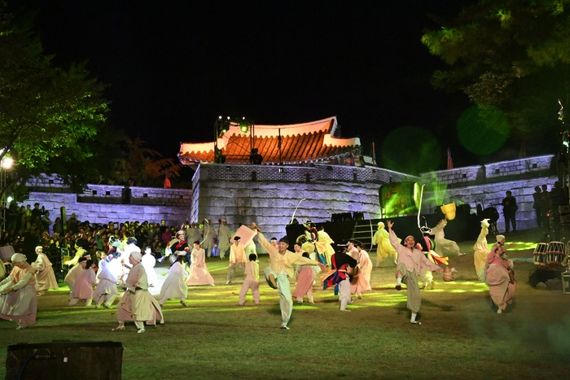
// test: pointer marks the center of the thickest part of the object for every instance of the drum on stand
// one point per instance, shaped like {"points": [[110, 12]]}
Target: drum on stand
{"points": [[555, 253], [539, 254]]}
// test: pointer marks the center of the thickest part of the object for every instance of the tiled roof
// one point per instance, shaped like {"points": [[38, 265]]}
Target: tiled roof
{"points": [[300, 143]]}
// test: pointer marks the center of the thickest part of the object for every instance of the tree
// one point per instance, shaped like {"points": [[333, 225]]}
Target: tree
{"points": [[513, 55], [47, 113], [146, 166]]}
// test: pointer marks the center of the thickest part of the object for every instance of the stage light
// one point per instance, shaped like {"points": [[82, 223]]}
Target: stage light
{"points": [[244, 127]]}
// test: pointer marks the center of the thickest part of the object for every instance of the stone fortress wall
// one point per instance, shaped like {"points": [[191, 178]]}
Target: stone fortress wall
{"points": [[271, 194]]}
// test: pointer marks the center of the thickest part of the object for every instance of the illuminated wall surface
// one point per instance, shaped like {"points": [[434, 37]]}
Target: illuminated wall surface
{"points": [[269, 195], [487, 184], [104, 203]]}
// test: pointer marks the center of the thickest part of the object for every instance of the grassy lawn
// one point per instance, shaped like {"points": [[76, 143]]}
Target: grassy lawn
{"points": [[461, 336]]}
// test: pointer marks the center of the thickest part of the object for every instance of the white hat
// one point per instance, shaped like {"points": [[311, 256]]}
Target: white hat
{"points": [[18, 258], [136, 254]]}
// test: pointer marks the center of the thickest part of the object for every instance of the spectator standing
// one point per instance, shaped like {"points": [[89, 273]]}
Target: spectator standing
{"points": [[509, 211], [537, 204]]}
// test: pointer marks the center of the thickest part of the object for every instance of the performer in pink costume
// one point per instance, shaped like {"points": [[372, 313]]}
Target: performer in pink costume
{"points": [[412, 263], [18, 300], [83, 288], [305, 280], [199, 274], [71, 276], [500, 276], [364, 271]]}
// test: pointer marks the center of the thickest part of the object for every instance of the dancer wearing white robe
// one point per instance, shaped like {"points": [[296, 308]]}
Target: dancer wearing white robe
{"points": [[106, 290], [125, 254], [443, 246], [175, 284], [481, 250], [45, 276], [148, 262]]}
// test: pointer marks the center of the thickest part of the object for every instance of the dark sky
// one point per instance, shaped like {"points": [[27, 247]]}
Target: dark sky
{"points": [[173, 66]]}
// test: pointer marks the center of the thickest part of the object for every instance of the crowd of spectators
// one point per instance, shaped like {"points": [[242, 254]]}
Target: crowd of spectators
{"points": [[27, 228]]}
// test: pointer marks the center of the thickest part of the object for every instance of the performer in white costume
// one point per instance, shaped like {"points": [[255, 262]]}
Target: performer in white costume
{"points": [[443, 246], [148, 262], [45, 276], [481, 250], [175, 284]]}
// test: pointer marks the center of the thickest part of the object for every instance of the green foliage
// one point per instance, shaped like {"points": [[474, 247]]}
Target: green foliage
{"points": [[46, 112], [145, 166], [504, 53]]}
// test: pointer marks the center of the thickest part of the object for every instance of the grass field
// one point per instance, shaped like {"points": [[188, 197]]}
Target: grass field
{"points": [[461, 336]]}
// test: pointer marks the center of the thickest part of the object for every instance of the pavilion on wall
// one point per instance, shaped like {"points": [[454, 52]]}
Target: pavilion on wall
{"points": [[292, 144]]}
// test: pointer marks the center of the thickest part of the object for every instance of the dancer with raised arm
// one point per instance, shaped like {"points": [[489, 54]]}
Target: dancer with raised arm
{"points": [[280, 270], [412, 263], [500, 275]]}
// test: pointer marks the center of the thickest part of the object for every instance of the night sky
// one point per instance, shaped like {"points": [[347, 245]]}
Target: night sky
{"points": [[173, 67]]}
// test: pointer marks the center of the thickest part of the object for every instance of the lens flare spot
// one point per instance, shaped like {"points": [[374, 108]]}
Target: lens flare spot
{"points": [[411, 150], [483, 129]]}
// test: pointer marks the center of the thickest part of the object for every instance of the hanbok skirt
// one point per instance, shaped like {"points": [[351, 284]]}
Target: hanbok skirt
{"points": [[20, 306]]}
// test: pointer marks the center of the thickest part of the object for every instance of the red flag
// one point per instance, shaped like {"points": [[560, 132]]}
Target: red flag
{"points": [[449, 160]]}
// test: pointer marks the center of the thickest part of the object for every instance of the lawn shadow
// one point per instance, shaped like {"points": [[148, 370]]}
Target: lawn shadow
{"points": [[439, 306]]}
